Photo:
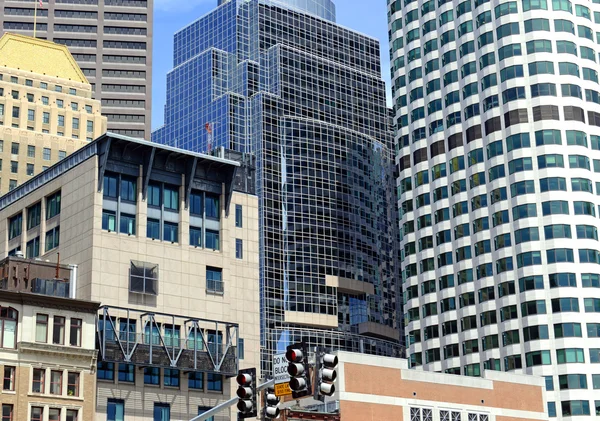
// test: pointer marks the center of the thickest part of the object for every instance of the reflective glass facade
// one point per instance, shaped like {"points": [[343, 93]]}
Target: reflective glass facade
{"points": [[306, 97], [498, 142]]}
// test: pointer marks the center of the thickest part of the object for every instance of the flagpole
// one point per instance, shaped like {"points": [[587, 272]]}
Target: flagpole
{"points": [[35, 17]]}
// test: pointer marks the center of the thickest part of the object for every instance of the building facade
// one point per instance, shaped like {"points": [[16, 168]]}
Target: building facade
{"points": [[385, 389], [111, 41], [47, 344], [167, 241], [498, 114], [281, 80], [46, 108]]}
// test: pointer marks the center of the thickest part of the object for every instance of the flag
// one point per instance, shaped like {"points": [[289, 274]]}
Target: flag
{"points": [[41, 4], [207, 126]]}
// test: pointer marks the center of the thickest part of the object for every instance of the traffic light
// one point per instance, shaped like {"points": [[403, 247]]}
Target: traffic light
{"points": [[246, 380], [327, 374], [271, 405], [297, 356]]}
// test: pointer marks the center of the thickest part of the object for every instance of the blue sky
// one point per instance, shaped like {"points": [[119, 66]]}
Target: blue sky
{"points": [[366, 16]]}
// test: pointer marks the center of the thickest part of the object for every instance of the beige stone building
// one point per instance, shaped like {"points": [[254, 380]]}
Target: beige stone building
{"points": [[46, 108], [371, 388], [47, 345], [167, 241]]}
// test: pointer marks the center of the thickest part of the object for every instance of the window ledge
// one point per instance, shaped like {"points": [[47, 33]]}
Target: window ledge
{"points": [[215, 293], [172, 387], [215, 392], [50, 395], [9, 392]]}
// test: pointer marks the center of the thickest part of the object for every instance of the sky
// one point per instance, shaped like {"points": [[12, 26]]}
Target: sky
{"points": [[368, 17]]}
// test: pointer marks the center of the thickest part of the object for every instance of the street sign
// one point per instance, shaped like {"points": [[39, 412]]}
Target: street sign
{"points": [[280, 366], [282, 389]]}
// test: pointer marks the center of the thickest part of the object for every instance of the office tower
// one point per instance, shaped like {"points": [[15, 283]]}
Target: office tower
{"points": [[167, 241], [498, 139], [306, 97], [46, 108], [47, 343], [111, 40]]}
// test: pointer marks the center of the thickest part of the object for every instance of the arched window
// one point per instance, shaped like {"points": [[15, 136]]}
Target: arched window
{"points": [[8, 327]]}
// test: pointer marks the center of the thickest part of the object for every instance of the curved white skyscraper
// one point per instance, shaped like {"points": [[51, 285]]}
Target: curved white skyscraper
{"points": [[498, 141]]}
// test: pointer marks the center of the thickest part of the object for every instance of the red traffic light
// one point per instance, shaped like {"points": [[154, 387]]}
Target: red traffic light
{"points": [[294, 355], [244, 379]]}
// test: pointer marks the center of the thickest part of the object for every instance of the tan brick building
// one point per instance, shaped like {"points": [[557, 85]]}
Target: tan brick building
{"points": [[371, 388], [46, 108], [47, 348], [167, 241]]}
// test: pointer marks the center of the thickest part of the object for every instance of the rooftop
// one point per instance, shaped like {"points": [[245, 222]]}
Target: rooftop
{"points": [[100, 147], [39, 56]]}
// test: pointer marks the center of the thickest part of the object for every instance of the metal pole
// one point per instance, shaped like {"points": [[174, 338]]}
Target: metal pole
{"points": [[227, 404], [34, 28]]}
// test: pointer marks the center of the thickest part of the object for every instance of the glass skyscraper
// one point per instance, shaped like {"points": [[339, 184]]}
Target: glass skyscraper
{"points": [[279, 79], [498, 138]]}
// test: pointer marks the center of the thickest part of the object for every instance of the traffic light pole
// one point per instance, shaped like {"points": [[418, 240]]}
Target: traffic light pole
{"points": [[231, 402]]}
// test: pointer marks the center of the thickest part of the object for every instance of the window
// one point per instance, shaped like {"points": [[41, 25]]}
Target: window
{"points": [[127, 372], [536, 358], [37, 413], [56, 382], [8, 381], [52, 238], [41, 328], [196, 380], [58, 330], [15, 112], [212, 207], [570, 355], [171, 377], [592, 305], [115, 410], [15, 226], [567, 330], [238, 216], [525, 235], [75, 332], [143, 278], [572, 381], [52, 206], [37, 385], [239, 252], [533, 307], [72, 415], [7, 412], [508, 313], [214, 382], [170, 232], [152, 375], [212, 240], [555, 207], [572, 408], [202, 410], [563, 305], [214, 280]]}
